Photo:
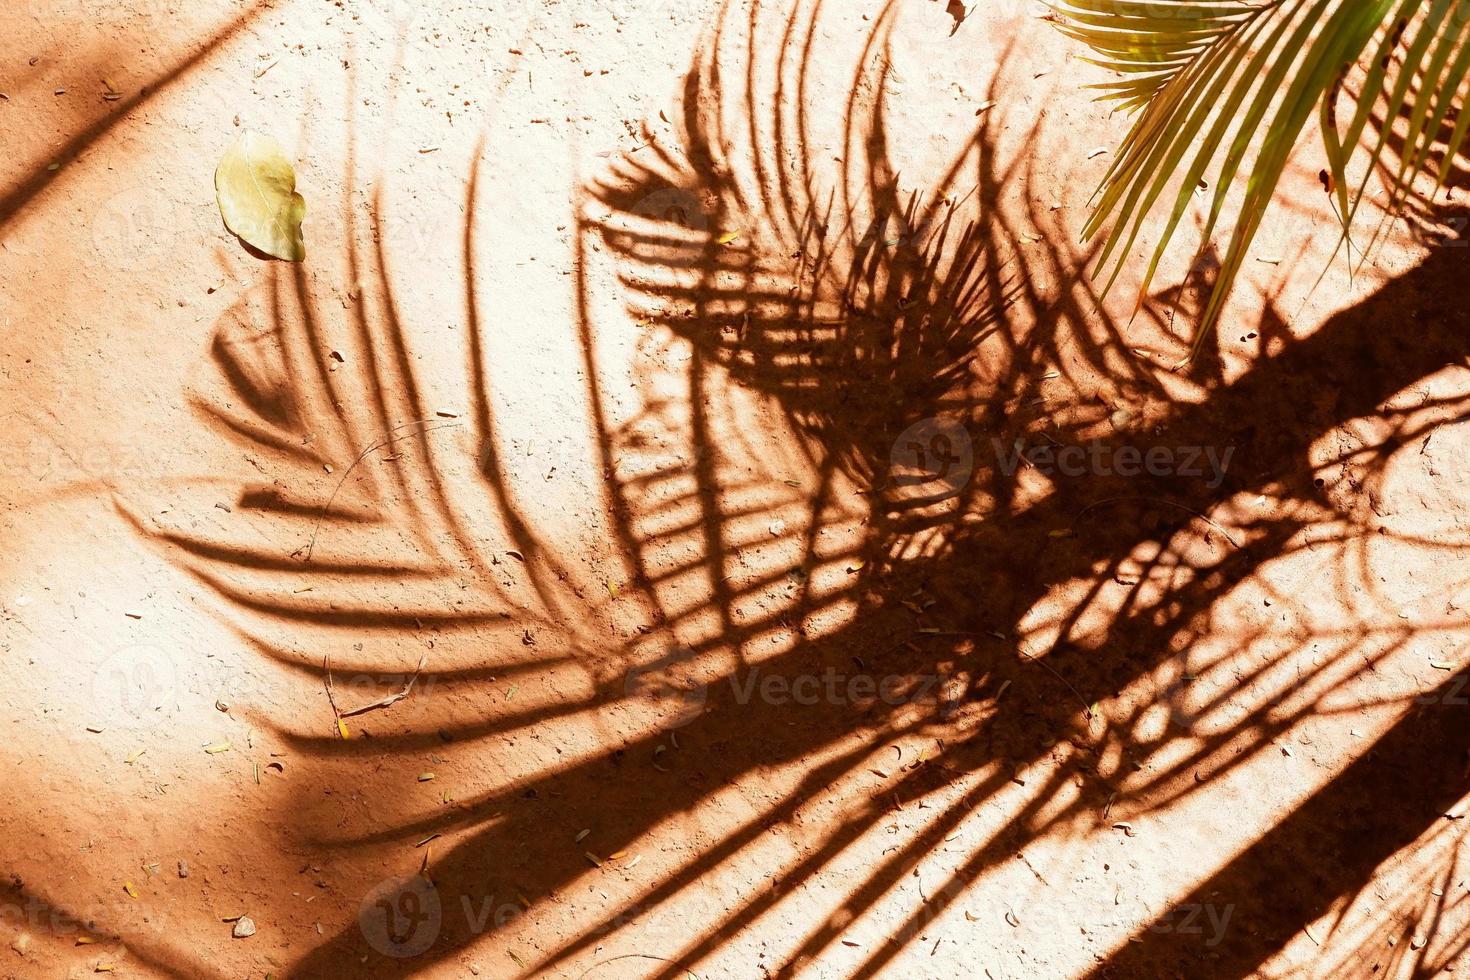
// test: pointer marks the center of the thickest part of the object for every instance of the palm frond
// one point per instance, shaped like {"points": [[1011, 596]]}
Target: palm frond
{"points": [[1223, 89]]}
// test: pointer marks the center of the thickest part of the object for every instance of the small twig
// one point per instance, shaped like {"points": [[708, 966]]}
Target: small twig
{"points": [[331, 697], [1166, 503], [391, 699], [635, 956], [1086, 708], [1027, 861], [386, 702], [387, 440]]}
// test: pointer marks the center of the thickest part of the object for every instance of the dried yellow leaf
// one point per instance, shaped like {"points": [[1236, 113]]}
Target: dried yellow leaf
{"points": [[256, 188]]}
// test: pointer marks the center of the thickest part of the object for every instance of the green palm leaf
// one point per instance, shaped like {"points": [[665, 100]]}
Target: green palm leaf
{"points": [[1222, 89]]}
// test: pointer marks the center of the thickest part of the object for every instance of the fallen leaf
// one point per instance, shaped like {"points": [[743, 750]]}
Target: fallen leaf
{"points": [[956, 9], [256, 188], [728, 237]]}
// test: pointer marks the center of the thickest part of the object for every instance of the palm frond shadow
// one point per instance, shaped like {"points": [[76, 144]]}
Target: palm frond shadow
{"points": [[18, 194], [1017, 615]]}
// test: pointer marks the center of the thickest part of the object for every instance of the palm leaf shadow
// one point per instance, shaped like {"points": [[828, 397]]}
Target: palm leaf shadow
{"points": [[18, 195], [853, 335]]}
